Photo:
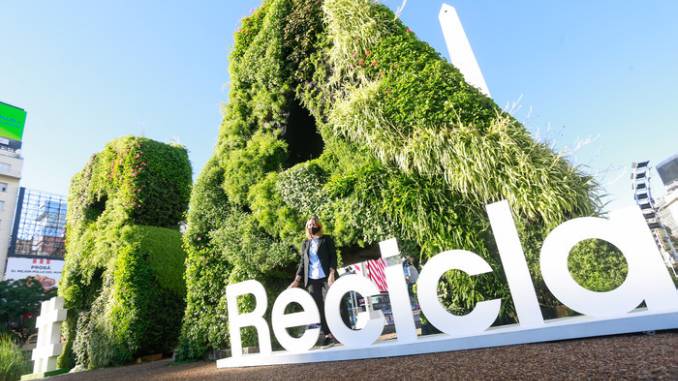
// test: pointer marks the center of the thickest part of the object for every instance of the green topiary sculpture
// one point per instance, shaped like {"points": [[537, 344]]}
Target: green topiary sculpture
{"points": [[123, 276], [337, 109]]}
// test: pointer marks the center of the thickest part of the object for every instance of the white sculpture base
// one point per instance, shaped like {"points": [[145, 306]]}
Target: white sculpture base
{"points": [[557, 329]]}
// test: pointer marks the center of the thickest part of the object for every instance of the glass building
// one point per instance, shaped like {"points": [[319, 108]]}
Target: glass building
{"points": [[39, 225]]}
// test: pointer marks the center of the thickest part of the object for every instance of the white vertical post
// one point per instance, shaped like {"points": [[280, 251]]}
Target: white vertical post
{"points": [[48, 348], [459, 48]]}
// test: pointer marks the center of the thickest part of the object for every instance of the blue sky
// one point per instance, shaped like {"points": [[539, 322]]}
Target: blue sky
{"points": [[596, 79]]}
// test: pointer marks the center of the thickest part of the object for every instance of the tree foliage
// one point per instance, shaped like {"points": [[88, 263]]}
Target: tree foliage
{"points": [[337, 109], [20, 305], [123, 273]]}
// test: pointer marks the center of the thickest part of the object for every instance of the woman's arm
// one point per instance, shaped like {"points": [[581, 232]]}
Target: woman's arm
{"points": [[333, 261], [300, 269], [333, 253]]}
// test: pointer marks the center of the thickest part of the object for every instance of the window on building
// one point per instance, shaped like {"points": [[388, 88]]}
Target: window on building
{"points": [[3, 187], [2, 205]]}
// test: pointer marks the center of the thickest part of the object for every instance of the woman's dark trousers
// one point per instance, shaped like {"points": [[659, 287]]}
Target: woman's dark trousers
{"points": [[318, 288]]}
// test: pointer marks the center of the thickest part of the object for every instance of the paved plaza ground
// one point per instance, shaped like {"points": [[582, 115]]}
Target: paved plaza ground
{"points": [[637, 356]]}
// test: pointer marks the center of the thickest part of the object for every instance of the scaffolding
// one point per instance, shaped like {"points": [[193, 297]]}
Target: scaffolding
{"points": [[640, 184], [39, 225]]}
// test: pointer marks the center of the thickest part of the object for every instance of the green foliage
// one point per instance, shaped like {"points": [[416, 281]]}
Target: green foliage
{"points": [[123, 276], [20, 305], [203, 325], [13, 364], [409, 150], [597, 265], [248, 166], [134, 179]]}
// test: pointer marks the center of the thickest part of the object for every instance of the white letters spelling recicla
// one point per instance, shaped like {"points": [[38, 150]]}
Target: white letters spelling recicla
{"points": [[603, 313]]}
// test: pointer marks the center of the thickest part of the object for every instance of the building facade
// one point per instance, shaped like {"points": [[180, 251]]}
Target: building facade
{"points": [[11, 165], [668, 205], [668, 212], [12, 122]]}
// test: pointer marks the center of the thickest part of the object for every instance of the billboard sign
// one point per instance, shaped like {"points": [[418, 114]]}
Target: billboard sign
{"points": [[601, 313], [47, 271], [12, 122]]}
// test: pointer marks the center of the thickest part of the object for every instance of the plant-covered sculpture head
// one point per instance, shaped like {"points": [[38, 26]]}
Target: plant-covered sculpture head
{"points": [[336, 109], [123, 275]]}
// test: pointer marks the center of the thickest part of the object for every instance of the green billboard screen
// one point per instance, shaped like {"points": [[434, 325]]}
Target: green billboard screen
{"points": [[12, 120]]}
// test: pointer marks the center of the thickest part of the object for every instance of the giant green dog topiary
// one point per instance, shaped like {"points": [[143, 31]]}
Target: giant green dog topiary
{"points": [[123, 276], [337, 109]]}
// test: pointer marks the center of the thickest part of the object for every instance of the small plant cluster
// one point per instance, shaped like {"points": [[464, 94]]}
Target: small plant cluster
{"points": [[408, 149], [123, 273], [13, 364]]}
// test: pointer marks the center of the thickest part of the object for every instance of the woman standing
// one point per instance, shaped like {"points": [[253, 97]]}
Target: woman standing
{"points": [[317, 268]]}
